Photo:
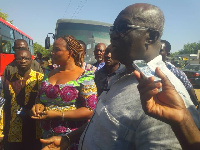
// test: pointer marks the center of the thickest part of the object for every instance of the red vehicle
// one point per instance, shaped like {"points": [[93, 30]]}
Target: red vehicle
{"points": [[8, 34]]}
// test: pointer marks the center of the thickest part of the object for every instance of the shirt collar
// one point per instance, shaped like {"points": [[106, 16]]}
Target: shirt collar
{"points": [[32, 73]]}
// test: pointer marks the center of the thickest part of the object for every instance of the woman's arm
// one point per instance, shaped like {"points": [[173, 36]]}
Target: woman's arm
{"points": [[78, 114]]}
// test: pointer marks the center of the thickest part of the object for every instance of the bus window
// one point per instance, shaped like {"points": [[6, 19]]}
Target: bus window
{"points": [[26, 39], [17, 35], [30, 42], [6, 46], [31, 50], [6, 31], [11, 34]]}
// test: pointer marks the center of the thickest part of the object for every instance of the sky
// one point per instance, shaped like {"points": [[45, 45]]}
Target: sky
{"points": [[38, 17]]}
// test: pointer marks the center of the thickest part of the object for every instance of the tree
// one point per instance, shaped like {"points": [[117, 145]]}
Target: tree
{"points": [[174, 54], [39, 48], [4, 16], [190, 48]]}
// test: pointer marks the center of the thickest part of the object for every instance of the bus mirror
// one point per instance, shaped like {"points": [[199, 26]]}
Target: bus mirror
{"points": [[47, 42]]}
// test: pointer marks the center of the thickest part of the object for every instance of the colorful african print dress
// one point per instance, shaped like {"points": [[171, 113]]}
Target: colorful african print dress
{"points": [[81, 92]]}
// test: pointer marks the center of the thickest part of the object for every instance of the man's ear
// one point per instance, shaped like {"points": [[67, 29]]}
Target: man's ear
{"points": [[152, 37]]}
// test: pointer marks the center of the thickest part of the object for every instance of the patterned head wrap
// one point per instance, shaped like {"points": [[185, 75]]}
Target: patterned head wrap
{"points": [[75, 46]]}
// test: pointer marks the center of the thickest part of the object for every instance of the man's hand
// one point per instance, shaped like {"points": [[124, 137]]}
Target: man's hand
{"points": [[166, 105], [55, 143]]}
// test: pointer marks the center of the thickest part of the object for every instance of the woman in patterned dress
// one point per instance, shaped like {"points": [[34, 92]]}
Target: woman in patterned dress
{"points": [[68, 95]]}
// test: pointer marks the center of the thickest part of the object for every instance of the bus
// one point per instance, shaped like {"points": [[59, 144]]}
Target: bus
{"points": [[8, 34], [90, 32]]}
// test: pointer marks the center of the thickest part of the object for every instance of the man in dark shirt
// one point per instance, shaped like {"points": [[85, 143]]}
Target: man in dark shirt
{"points": [[110, 68], [12, 67], [99, 55]]}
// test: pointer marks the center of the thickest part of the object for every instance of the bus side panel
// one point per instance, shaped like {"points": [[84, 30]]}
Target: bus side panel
{"points": [[5, 59]]}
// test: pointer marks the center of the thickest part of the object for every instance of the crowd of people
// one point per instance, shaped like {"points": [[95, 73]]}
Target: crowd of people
{"points": [[102, 106]]}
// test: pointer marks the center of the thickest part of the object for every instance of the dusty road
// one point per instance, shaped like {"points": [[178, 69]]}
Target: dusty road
{"points": [[197, 91]]}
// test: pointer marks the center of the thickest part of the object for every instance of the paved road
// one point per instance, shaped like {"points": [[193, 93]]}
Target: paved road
{"points": [[197, 91]]}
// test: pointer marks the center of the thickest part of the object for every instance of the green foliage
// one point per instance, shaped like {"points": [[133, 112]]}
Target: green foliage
{"points": [[190, 48], [174, 54], [4, 16], [39, 48]]}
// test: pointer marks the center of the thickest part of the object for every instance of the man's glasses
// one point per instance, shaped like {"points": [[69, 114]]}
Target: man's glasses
{"points": [[22, 58], [123, 28]]}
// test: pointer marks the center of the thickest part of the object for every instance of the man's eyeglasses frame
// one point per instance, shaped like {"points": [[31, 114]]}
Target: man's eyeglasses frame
{"points": [[22, 58], [115, 28]]}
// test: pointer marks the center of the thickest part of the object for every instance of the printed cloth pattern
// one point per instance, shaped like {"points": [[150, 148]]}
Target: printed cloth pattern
{"points": [[180, 75], [81, 92], [1, 121], [15, 131]]}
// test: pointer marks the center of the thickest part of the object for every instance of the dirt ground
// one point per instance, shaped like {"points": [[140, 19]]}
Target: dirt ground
{"points": [[197, 91]]}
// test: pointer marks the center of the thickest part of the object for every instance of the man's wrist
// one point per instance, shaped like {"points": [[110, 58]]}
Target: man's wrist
{"points": [[183, 117], [187, 132]]}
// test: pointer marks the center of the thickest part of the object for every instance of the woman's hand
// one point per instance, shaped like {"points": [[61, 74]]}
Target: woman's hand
{"points": [[50, 114], [166, 105], [36, 110]]}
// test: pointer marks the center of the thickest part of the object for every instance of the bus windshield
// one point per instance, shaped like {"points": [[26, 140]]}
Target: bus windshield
{"points": [[89, 32]]}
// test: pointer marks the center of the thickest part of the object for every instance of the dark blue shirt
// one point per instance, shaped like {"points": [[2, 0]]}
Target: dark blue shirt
{"points": [[99, 65], [180, 75]]}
